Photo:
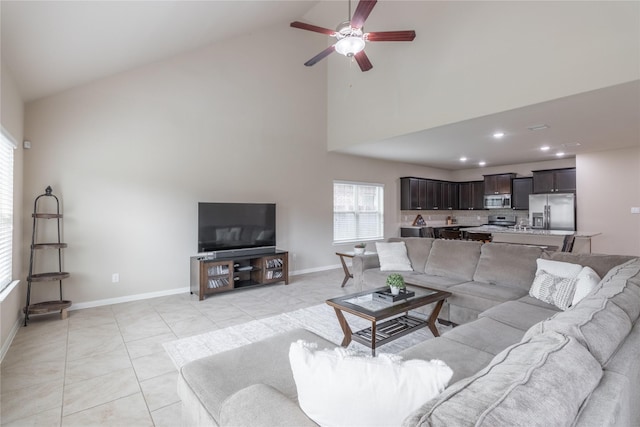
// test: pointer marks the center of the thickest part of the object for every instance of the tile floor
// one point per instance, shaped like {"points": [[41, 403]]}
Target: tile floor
{"points": [[107, 366]]}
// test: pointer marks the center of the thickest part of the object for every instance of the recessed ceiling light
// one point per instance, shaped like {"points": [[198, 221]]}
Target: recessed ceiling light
{"points": [[538, 127], [545, 148], [463, 159], [482, 163], [498, 135], [560, 153]]}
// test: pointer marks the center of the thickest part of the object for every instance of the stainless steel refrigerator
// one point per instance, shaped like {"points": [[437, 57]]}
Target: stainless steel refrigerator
{"points": [[553, 211]]}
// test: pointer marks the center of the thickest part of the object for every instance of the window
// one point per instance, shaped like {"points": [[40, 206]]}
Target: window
{"points": [[6, 208], [357, 211]]}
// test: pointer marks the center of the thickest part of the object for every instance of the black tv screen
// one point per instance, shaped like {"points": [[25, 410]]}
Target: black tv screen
{"points": [[228, 226]]}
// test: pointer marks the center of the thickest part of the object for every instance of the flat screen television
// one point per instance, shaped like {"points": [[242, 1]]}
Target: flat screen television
{"points": [[233, 226]]}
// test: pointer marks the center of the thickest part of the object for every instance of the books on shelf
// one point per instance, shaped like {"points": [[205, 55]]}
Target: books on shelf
{"points": [[276, 274], [218, 283], [218, 270], [274, 263]]}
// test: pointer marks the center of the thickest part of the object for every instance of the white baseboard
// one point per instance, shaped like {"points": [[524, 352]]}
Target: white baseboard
{"points": [[314, 270], [127, 298], [5, 347]]}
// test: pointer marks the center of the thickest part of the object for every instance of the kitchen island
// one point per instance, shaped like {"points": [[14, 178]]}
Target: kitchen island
{"points": [[548, 238]]}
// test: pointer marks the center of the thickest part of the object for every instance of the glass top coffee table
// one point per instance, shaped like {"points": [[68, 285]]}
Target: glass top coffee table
{"points": [[371, 306]]}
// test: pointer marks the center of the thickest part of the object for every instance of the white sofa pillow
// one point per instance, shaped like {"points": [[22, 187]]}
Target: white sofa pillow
{"points": [[341, 388], [558, 268], [587, 280], [393, 256]]}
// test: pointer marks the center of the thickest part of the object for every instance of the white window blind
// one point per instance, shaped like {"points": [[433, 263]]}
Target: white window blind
{"points": [[6, 208], [357, 211]]}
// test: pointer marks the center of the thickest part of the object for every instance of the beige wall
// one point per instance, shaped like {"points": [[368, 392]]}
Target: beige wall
{"points": [[11, 115], [608, 186], [133, 154], [501, 56]]}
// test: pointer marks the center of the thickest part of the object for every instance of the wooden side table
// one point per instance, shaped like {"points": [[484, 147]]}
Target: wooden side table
{"points": [[347, 273]]}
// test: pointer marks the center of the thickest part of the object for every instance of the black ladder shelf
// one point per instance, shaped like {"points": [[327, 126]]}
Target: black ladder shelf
{"points": [[60, 305]]}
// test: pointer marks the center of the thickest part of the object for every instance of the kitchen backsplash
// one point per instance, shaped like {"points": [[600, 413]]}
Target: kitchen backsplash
{"points": [[466, 217]]}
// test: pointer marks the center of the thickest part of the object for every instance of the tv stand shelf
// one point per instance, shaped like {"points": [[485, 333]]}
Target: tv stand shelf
{"points": [[214, 275]]}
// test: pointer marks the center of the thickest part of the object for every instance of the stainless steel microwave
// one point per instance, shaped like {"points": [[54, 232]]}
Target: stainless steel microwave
{"points": [[498, 201]]}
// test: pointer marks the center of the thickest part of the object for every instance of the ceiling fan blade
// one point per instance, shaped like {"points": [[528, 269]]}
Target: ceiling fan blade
{"points": [[363, 61], [391, 36], [362, 12], [320, 56], [309, 27]]}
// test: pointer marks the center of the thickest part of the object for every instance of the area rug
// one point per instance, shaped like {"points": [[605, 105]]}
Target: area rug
{"points": [[320, 319]]}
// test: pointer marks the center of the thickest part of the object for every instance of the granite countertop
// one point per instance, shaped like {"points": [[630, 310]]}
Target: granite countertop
{"points": [[537, 232]]}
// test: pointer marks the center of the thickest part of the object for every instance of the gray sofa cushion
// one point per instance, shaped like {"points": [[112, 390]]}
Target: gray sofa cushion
{"points": [[464, 360], [418, 249], [456, 259], [485, 334], [597, 324], [268, 406], [266, 362], [507, 265], [374, 278], [518, 314], [482, 296], [541, 381], [601, 264]]}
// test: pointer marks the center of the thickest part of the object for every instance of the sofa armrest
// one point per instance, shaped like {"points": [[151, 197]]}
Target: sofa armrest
{"points": [[262, 405], [359, 264]]}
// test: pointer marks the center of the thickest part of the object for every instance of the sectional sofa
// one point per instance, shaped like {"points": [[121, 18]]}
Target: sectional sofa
{"points": [[516, 360]]}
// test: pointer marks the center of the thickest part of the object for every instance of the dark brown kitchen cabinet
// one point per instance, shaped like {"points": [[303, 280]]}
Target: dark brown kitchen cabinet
{"points": [[498, 183], [522, 188], [471, 195], [413, 194], [420, 193], [449, 195], [554, 181]]}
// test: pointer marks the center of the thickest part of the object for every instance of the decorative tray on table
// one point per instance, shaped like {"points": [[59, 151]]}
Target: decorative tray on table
{"points": [[389, 297]]}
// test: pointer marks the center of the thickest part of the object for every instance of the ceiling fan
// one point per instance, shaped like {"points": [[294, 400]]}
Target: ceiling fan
{"points": [[351, 38]]}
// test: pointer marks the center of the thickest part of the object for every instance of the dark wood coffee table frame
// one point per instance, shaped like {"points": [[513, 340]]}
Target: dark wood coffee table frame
{"points": [[381, 333]]}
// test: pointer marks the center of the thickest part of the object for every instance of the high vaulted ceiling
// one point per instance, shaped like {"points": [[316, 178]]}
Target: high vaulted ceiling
{"points": [[52, 46]]}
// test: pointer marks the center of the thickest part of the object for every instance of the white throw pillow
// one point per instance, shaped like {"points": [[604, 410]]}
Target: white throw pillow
{"points": [[587, 280], [552, 289], [341, 388], [393, 256], [558, 268]]}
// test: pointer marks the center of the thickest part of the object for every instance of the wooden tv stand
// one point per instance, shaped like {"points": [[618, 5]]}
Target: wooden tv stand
{"points": [[212, 276]]}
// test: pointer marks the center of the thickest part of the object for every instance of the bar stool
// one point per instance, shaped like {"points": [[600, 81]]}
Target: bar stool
{"points": [[481, 237], [450, 234]]}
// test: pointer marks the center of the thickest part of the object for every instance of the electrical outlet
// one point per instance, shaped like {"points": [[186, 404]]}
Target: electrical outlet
{"points": [[115, 278], [635, 210]]}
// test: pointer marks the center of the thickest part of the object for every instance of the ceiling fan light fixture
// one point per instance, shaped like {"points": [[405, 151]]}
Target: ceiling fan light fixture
{"points": [[350, 45]]}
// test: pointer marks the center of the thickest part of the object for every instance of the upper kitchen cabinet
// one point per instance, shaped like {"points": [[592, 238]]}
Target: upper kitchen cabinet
{"points": [[498, 183], [522, 188], [471, 195], [420, 193], [450, 195], [413, 194], [554, 181]]}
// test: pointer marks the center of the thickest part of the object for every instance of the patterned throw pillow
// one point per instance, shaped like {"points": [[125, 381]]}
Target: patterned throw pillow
{"points": [[553, 289]]}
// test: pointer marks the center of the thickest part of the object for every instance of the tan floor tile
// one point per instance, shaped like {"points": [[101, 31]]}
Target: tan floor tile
{"points": [[28, 401], [169, 416], [161, 391], [99, 390], [153, 365], [147, 346], [50, 418], [126, 411], [27, 374], [97, 365]]}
